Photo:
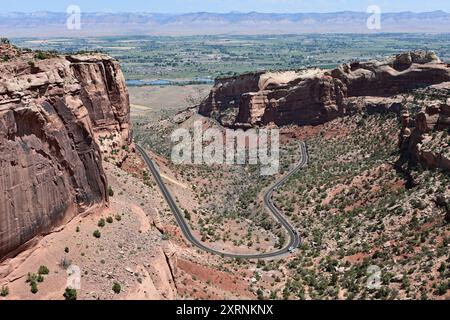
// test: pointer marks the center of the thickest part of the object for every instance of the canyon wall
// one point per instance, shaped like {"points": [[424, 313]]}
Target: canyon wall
{"points": [[315, 96], [104, 94], [53, 111]]}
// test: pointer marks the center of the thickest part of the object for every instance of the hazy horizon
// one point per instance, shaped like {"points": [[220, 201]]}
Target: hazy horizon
{"points": [[244, 6], [51, 24], [224, 12]]}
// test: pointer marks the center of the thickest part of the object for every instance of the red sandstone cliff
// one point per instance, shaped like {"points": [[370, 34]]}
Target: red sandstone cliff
{"points": [[53, 110], [316, 96]]}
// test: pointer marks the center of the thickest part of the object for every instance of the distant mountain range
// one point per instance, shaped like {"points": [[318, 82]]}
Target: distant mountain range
{"points": [[51, 24]]}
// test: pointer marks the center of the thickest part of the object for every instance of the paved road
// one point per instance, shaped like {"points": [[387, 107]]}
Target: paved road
{"points": [[294, 239]]}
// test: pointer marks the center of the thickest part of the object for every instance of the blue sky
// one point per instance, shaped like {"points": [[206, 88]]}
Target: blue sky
{"points": [[180, 6]]}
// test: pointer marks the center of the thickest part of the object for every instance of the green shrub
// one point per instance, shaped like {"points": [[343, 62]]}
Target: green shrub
{"points": [[116, 288], [4, 292], [110, 191], [31, 278], [109, 219], [118, 217], [40, 55], [260, 294], [43, 270], [97, 234], [442, 288], [70, 294], [101, 223], [34, 288]]}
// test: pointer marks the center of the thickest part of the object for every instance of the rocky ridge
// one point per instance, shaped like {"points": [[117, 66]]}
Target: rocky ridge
{"points": [[315, 96], [396, 84]]}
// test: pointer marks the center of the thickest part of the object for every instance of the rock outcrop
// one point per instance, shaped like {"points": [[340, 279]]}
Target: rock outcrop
{"points": [[53, 110], [425, 137], [315, 96]]}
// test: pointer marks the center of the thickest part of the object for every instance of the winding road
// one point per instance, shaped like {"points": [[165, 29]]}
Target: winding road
{"points": [[294, 240]]}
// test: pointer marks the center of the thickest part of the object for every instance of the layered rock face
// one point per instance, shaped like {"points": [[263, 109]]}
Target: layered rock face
{"points": [[224, 99], [316, 96], [52, 110], [425, 138], [104, 94]]}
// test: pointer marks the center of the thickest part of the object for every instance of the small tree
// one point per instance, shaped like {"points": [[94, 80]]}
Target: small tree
{"points": [[110, 220], [110, 191]]}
